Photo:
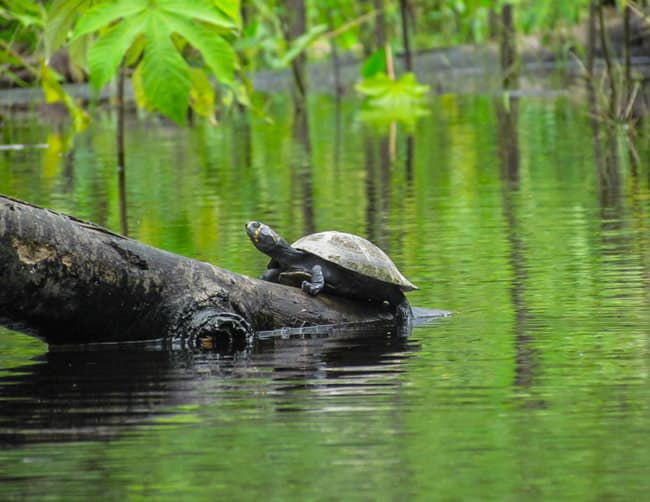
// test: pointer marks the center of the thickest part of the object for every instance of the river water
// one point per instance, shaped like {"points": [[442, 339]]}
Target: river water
{"points": [[523, 216]]}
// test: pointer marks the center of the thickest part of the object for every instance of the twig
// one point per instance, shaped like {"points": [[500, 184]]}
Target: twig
{"points": [[351, 24], [630, 103], [390, 67], [638, 11], [28, 66]]}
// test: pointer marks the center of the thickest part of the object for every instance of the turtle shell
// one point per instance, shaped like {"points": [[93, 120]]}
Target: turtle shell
{"points": [[354, 253]]}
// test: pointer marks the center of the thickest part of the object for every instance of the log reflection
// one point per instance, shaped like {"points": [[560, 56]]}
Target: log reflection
{"points": [[98, 394]]}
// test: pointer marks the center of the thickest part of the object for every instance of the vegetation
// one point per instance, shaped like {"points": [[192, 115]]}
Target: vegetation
{"points": [[172, 48]]}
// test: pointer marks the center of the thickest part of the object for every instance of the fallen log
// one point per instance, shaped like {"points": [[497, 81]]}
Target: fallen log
{"points": [[68, 281]]}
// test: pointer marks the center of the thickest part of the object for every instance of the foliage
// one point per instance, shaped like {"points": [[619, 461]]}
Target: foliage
{"points": [[173, 47], [385, 92], [388, 99], [21, 19], [546, 16], [263, 42], [19, 39], [22, 44], [54, 93], [445, 22], [157, 38]]}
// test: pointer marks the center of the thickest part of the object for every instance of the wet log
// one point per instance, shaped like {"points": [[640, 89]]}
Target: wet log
{"points": [[68, 281]]}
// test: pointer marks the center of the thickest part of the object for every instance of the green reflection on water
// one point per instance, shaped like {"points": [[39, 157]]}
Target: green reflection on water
{"points": [[538, 387]]}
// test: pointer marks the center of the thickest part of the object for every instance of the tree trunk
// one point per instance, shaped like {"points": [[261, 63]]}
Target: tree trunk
{"points": [[613, 96], [591, 39], [380, 24], [508, 47], [406, 43], [296, 25], [69, 281], [627, 63]]}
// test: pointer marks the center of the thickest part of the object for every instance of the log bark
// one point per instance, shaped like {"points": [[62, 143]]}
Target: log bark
{"points": [[68, 282]]}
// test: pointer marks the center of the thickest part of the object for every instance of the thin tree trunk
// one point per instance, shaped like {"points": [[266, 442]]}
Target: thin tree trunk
{"points": [[390, 65], [380, 24], [508, 47], [408, 57], [608, 61], [591, 39], [493, 23], [627, 72], [296, 24]]}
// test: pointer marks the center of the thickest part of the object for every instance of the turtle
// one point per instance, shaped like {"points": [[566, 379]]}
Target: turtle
{"points": [[335, 262]]}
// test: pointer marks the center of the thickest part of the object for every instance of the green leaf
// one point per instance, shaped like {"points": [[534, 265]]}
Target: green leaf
{"points": [[78, 52], [54, 92], [203, 10], [301, 43], [375, 64], [202, 95], [242, 95], [165, 74], [138, 89], [108, 50], [105, 13], [376, 85], [60, 17], [232, 9], [216, 52], [382, 118], [384, 92], [27, 12], [132, 55]]}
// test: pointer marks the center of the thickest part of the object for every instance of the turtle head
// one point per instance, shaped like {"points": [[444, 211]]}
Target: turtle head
{"points": [[264, 237]]}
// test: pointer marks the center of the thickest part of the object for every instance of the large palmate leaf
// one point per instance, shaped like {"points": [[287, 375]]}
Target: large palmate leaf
{"points": [[218, 54], [165, 74], [204, 10], [101, 15], [145, 32], [108, 50], [202, 94]]}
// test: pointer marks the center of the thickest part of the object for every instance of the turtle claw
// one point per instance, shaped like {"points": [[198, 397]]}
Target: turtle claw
{"points": [[312, 289]]}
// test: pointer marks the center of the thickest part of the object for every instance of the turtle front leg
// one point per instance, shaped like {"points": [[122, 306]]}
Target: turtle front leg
{"points": [[317, 282], [271, 275]]}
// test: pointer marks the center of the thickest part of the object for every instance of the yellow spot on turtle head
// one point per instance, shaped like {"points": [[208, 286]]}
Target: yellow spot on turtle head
{"points": [[257, 234]]}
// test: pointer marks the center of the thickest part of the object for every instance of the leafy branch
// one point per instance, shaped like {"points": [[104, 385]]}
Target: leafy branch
{"points": [[157, 38]]}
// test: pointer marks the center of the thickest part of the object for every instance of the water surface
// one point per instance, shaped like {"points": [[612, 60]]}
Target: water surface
{"points": [[526, 220]]}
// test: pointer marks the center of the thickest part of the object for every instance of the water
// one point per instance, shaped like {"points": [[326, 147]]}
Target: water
{"points": [[530, 230]]}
